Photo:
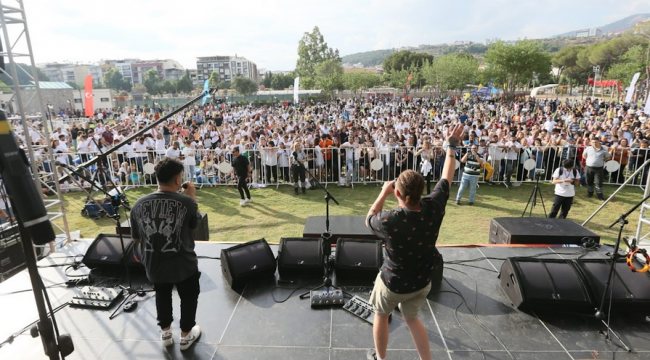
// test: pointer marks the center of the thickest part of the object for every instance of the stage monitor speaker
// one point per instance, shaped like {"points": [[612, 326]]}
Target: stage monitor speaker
{"points": [[531, 230], [358, 259], [301, 258], [202, 231], [544, 284], [245, 262], [105, 253], [630, 291]]}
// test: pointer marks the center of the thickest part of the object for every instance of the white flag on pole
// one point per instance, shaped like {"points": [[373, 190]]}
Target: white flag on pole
{"points": [[647, 107], [296, 87], [630, 90]]}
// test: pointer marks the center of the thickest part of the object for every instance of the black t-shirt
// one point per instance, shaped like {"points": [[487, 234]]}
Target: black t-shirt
{"points": [[410, 238], [74, 133], [163, 221], [218, 120], [240, 163]]}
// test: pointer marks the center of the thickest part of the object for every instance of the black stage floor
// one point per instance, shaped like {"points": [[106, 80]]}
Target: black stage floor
{"points": [[251, 325]]}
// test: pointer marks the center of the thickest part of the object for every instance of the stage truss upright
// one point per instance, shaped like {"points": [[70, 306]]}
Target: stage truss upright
{"points": [[643, 226], [17, 48]]}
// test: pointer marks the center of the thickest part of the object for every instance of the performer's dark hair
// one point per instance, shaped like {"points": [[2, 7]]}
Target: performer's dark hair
{"points": [[167, 169], [568, 163], [411, 186]]}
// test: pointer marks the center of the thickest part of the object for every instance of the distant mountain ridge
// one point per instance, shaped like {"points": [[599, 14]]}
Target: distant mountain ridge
{"points": [[620, 25], [553, 43]]}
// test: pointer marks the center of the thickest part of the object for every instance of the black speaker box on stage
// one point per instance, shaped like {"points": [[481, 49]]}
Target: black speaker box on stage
{"points": [[134, 258], [105, 253], [244, 262], [544, 284], [531, 230], [629, 290], [358, 259], [300, 258]]}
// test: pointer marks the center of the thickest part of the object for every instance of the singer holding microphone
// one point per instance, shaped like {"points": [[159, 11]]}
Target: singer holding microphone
{"points": [[162, 223], [565, 178]]}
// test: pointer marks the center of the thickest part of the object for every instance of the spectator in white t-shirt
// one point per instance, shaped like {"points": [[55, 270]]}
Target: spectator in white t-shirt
{"points": [[564, 178]]}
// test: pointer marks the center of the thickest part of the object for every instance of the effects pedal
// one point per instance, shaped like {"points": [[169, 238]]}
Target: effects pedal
{"points": [[96, 297], [363, 309], [326, 298]]}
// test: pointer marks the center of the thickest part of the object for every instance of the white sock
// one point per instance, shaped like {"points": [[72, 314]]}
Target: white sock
{"points": [[378, 358]]}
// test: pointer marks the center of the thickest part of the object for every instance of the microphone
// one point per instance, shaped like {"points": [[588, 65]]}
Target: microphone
{"points": [[58, 163], [14, 169]]}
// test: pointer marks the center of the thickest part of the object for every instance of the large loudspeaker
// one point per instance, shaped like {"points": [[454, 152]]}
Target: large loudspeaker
{"points": [[629, 290], [301, 258], [105, 252], [244, 262], [530, 230], [358, 259], [538, 284]]}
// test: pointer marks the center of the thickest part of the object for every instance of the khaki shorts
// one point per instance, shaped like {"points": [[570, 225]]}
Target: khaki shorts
{"points": [[384, 300]]}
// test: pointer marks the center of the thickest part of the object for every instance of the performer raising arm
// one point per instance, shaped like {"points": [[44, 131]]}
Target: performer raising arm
{"points": [[409, 233]]}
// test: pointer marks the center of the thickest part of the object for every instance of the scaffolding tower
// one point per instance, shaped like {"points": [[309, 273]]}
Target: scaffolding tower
{"points": [[17, 47]]}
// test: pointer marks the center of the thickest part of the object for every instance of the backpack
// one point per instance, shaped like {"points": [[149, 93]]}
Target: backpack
{"points": [[575, 172]]}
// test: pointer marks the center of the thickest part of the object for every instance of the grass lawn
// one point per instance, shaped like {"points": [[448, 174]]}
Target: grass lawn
{"points": [[279, 213]]}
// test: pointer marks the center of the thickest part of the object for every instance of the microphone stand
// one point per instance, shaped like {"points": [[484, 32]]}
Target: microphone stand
{"points": [[600, 313], [326, 237], [116, 201]]}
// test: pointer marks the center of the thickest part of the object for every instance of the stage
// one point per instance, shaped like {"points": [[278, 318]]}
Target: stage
{"points": [[250, 325]]}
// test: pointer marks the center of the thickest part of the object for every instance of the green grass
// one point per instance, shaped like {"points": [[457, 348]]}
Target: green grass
{"points": [[279, 213]]}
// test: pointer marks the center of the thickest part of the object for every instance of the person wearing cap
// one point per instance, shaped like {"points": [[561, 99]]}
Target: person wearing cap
{"points": [[595, 157]]}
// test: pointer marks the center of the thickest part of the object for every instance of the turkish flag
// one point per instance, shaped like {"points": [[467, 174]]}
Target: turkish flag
{"points": [[88, 96]]}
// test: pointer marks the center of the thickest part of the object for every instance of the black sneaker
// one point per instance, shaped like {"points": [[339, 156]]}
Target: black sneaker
{"points": [[303, 190], [295, 190], [489, 182], [590, 195], [371, 355], [457, 202], [600, 197], [470, 203]]}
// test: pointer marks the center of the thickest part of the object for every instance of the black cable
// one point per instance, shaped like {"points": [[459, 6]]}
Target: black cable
{"points": [[474, 314], [11, 337], [287, 288], [462, 301], [208, 257]]}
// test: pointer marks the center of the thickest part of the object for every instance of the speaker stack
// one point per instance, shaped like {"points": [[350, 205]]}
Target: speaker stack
{"points": [[572, 285], [245, 262], [358, 259], [301, 258]]}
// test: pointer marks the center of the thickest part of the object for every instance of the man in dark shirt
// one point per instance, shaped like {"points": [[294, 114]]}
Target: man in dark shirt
{"points": [[162, 224], [242, 169], [409, 233]]}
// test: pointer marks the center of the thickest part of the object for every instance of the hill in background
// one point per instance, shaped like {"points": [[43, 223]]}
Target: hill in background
{"points": [[553, 44]]}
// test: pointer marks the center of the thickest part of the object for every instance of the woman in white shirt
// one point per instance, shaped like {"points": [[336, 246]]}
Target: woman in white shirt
{"points": [[189, 160]]}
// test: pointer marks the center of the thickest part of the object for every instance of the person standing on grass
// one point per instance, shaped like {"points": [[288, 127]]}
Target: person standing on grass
{"points": [[243, 170], [409, 233], [471, 172], [564, 178], [595, 157], [162, 224]]}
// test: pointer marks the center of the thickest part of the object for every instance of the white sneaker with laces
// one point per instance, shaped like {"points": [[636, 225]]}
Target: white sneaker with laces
{"points": [[187, 341], [167, 338], [242, 202], [248, 201]]}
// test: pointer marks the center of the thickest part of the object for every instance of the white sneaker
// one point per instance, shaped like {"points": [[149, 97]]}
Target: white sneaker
{"points": [[187, 341], [248, 201], [167, 338], [242, 202]]}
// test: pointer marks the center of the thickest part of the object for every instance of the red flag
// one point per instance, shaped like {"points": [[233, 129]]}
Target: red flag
{"points": [[88, 96]]}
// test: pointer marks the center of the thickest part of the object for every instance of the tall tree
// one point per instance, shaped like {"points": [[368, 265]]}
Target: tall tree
{"points": [[185, 85], [358, 80], [114, 80], [405, 60], [215, 78], [268, 78], [244, 86], [329, 75], [312, 50], [152, 81], [452, 71], [515, 64], [168, 86]]}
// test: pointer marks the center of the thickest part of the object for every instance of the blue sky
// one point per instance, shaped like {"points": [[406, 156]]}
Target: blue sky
{"points": [[267, 32]]}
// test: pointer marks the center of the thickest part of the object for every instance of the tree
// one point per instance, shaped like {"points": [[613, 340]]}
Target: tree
{"points": [[244, 86], [282, 81], [312, 50], [224, 85], [405, 60], [215, 78], [185, 85], [268, 78], [358, 80], [329, 75], [23, 78], [515, 64], [452, 72], [114, 80], [73, 84], [152, 81], [168, 86], [139, 88]]}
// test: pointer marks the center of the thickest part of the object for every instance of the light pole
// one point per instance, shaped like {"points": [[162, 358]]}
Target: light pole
{"points": [[596, 72]]}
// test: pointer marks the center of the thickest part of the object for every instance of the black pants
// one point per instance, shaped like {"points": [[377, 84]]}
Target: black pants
{"points": [[188, 291], [271, 170], [595, 176], [284, 171], [561, 202], [298, 171], [242, 187]]}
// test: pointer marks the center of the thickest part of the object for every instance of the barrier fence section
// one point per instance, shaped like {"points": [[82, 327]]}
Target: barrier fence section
{"points": [[272, 166]]}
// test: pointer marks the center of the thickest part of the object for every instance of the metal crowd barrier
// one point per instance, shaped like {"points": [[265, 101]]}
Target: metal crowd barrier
{"points": [[368, 165]]}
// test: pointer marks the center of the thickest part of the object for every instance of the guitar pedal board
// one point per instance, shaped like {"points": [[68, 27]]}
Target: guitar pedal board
{"points": [[96, 297], [326, 298], [361, 308]]}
